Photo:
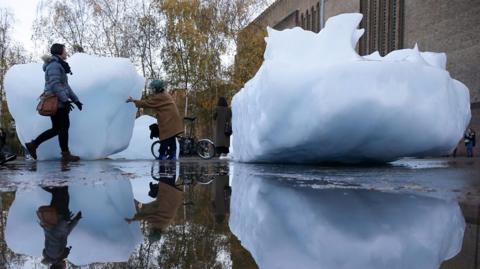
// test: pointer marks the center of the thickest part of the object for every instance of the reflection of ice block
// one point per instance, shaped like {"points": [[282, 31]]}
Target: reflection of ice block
{"points": [[317, 100], [103, 127], [298, 227], [102, 235]]}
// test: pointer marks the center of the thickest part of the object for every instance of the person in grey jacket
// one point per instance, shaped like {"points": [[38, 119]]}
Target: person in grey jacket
{"points": [[56, 81]]}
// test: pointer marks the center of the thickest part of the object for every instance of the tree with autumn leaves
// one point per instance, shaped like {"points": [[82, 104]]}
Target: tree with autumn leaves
{"points": [[190, 44]]}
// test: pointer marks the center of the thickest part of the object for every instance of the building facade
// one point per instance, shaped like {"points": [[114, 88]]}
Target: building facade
{"points": [[450, 26]]}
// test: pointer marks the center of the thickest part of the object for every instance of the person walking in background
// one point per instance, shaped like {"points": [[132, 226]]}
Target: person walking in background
{"points": [[470, 141], [223, 126], [56, 82], [170, 124]]}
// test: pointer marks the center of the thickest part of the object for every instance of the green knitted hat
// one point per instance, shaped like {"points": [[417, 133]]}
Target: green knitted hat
{"points": [[157, 85]]}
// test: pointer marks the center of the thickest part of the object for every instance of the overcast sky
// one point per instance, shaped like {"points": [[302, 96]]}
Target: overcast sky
{"points": [[24, 13]]}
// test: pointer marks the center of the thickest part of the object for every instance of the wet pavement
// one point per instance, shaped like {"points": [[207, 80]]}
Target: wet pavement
{"points": [[413, 213]]}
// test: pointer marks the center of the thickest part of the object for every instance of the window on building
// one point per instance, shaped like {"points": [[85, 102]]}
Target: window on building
{"points": [[308, 21], [314, 20], [383, 24], [319, 18]]}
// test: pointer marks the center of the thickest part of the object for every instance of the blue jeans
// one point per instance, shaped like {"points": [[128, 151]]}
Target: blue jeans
{"points": [[469, 149]]}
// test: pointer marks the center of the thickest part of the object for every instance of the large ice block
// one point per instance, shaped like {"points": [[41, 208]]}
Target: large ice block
{"points": [[105, 125], [318, 100]]}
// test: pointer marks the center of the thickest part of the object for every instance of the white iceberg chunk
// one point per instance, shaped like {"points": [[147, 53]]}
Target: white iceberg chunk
{"points": [[287, 226], [318, 100], [105, 125], [140, 143]]}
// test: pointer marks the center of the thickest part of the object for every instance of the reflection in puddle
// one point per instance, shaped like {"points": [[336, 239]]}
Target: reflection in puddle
{"points": [[220, 215], [296, 227], [103, 206]]}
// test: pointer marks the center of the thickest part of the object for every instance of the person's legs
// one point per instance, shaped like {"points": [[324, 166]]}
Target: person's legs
{"points": [[469, 150], [163, 149], [63, 126], [50, 133], [60, 201], [172, 148]]}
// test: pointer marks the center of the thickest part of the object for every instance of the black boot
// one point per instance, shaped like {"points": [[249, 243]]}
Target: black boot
{"points": [[32, 149], [67, 157]]}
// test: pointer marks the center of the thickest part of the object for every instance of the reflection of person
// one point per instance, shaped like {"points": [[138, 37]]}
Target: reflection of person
{"points": [[56, 81], [161, 212], [221, 198], [222, 116], [57, 223], [170, 124], [470, 141]]}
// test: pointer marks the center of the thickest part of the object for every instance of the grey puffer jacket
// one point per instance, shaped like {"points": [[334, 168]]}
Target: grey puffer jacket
{"points": [[56, 80]]}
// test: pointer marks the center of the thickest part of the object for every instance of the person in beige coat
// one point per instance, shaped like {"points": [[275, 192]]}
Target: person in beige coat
{"points": [[170, 124], [160, 213]]}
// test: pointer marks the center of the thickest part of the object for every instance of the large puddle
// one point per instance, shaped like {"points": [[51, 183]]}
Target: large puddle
{"points": [[411, 214]]}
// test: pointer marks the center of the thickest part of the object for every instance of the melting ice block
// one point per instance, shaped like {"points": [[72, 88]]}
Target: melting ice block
{"points": [[140, 143], [105, 125], [288, 226], [317, 100], [139, 147]]}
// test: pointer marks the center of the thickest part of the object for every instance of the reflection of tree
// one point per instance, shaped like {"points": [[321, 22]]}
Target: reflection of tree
{"points": [[195, 239], [241, 258]]}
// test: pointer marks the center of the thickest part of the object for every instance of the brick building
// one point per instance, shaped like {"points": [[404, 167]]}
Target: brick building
{"points": [[450, 26]]}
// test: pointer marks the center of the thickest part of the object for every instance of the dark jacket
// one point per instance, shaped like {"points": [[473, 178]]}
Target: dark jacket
{"points": [[222, 115], [470, 138], [56, 80]]}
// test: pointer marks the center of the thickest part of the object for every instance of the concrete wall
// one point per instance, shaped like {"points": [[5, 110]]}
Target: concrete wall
{"points": [[451, 26], [468, 256], [335, 7], [280, 9]]}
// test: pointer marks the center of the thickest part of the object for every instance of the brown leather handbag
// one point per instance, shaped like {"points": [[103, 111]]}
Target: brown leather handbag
{"points": [[48, 216], [48, 104]]}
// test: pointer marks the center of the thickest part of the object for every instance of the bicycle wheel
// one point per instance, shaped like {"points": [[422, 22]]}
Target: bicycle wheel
{"points": [[205, 149], [156, 149]]}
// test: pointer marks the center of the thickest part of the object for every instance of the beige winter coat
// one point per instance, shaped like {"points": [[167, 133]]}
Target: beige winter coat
{"points": [[170, 123], [161, 212]]}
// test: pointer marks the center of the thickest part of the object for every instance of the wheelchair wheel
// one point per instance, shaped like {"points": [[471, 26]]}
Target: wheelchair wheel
{"points": [[156, 149], [205, 149]]}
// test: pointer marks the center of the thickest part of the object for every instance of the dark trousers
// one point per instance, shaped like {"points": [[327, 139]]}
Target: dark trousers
{"points": [[60, 125], [469, 150], [168, 149], [60, 200], [222, 150]]}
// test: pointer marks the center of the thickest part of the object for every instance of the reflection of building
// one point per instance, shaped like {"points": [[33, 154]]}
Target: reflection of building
{"points": [[436, 25]]}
